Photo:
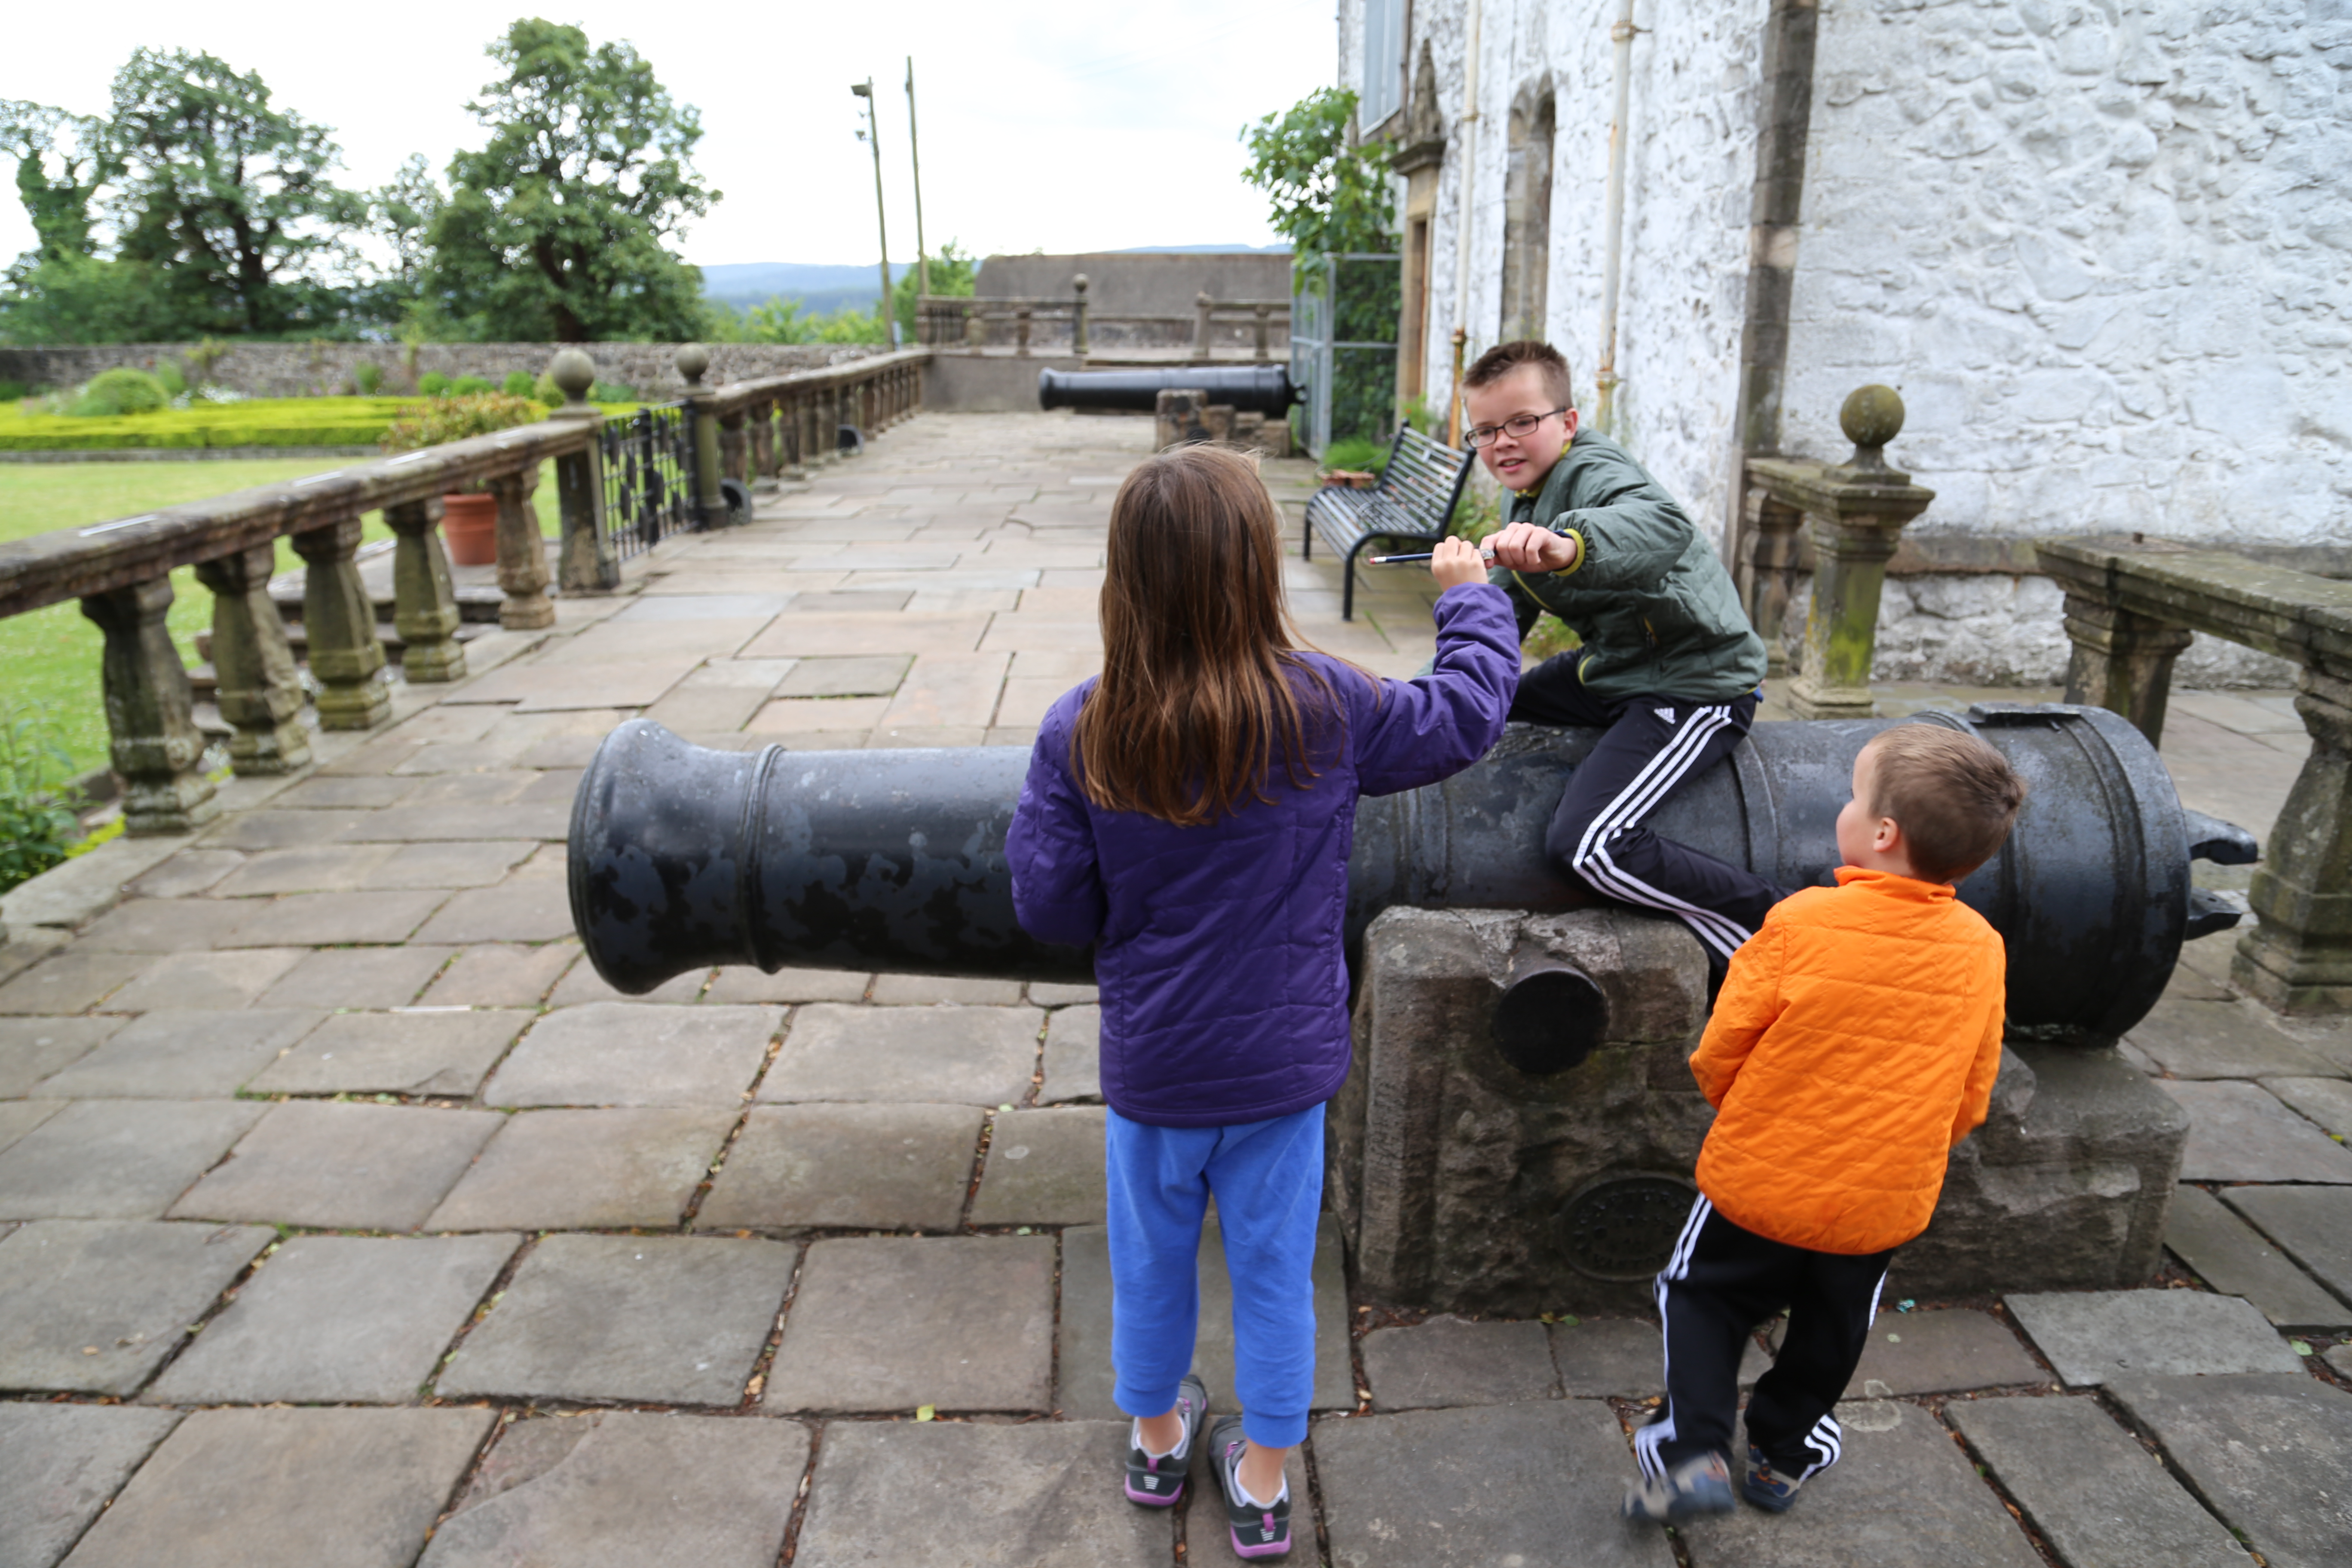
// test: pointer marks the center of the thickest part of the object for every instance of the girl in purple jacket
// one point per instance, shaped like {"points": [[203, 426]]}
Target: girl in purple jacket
{"points": [[1190, 813]]}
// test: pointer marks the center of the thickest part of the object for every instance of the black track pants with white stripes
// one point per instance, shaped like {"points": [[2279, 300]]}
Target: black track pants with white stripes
{"points": [[1653, 744], [1722, 1281]]}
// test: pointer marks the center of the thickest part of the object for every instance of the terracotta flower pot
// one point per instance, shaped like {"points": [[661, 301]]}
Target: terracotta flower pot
{"points": [[469, 527]]}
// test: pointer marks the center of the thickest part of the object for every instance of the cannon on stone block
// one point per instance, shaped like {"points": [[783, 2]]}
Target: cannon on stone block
{"points": [[1519, 1131], [1256, 389]]}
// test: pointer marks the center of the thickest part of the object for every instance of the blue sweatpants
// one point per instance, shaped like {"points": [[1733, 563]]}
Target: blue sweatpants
{"points": [[1268, 1180]]}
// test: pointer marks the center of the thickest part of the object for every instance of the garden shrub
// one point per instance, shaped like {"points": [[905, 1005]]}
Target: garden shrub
{"points": [[114, 392], [520, 383], [433, 383], [366, 376], [612, 391], [1355, 453], [37, 825], [455, 417], [14, 391], [468, 385], [168, 372]]}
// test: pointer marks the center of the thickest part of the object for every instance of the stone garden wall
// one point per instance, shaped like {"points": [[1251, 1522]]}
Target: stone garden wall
{"points": [[321, 369]]}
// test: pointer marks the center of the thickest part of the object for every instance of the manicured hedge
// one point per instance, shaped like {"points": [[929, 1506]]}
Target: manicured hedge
{"points": [[259, 422]]}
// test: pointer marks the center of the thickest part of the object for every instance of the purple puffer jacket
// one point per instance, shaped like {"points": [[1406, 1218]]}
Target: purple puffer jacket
{"points": [[1224, 990]]}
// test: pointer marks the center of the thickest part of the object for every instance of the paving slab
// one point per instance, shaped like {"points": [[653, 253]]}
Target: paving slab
{"points": [[1624, 1358], [875, 1167], [863, 675], [69, 893], [894, 636], [2201, 1040], [552, 1169], [157, 925], [894, 1323], [360, 1167], [460, 863], [33, 1048], [214, 980], [2264, 1451], [932, 990], [1073, 1053], [340, 977], [582, 984], [122, 1158], [1935, 1352], [1903, 1493], [73, 980], [976, 1055], [338, 1319], [1438, 1489], [2088, 1487], [233, 1488], [184, 1053], [333, 920], [2240, 1132], [411, 1051], [667, 1320], [2325, 1101], [1045, 1167], [739, 983], [2237, 1259], [622, 1489], [1047, 995], [626, 1053], [2096, 1336], [64, 1463], [966, 1495], [521, 909], [18, 1117], [500, 974], [1449, 1361], [94, 1306], [365, 792], [310, 868], [1082, 1330], [816, 715], [2312, 1223]]}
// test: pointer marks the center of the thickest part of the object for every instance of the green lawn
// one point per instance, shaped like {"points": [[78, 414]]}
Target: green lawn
{"points": [[49, 657]]}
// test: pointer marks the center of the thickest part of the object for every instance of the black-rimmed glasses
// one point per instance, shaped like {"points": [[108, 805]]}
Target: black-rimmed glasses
{"points": [[1519, 427]]}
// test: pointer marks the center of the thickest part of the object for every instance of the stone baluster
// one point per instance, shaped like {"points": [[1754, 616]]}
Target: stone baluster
{"points": [[975, 327], [1262, 327], [586, 562], [424, 604], [734, 448], [710, 501], [1021, 331], [792, 431], [522, 553], [156, 748], [2122, 662], [2298, 957], [1770, 549], [763, 431], [1078, 336], [1856, 512], [339, 626], [259, 684], [1203, 345]]}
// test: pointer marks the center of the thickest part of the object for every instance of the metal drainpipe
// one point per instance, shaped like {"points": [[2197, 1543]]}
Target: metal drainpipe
{"points": [[1462, 227], [1621, 33]]}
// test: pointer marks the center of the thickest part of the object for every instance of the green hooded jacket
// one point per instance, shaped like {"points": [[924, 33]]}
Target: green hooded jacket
{"points": [[1655, 609]]}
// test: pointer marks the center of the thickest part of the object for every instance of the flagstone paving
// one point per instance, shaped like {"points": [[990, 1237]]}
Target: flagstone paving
{"points": [[324, 1108]]}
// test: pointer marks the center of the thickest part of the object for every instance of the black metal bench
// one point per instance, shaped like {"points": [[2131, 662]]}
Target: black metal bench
{"points": [[1413, 501]]}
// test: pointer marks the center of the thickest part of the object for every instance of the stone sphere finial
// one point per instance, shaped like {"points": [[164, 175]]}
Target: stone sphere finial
{"points": [[573, 373], [692, 360], [1871, 417], [1079, 281]]}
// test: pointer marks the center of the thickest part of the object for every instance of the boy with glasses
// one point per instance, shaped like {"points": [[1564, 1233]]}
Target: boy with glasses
{"points": [[1668, 667]]}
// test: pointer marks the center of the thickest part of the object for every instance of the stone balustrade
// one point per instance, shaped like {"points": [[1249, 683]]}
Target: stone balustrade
{"points": [[2132, 606], [1072, 325]]}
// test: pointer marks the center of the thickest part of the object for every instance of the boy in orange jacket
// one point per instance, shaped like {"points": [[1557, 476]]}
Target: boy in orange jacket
{"points": [[1854, 1042]]}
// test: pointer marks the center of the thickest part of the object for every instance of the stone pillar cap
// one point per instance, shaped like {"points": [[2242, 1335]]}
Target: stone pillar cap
{"points": [[692, 360]]}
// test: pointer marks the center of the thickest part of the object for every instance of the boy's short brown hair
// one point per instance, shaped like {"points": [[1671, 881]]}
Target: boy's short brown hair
{"points": [[1953, 796], [1504, 358]]}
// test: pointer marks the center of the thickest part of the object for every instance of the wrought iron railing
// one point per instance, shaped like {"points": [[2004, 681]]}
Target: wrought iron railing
{"points": [[649, 470]]}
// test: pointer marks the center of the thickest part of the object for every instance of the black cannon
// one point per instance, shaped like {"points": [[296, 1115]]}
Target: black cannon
{"points": [[683, 858], [1254, 389]]}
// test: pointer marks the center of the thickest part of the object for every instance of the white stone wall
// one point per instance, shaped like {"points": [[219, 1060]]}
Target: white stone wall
{"points": [[2104, 247]]}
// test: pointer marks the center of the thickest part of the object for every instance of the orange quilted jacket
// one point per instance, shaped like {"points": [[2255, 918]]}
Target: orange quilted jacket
{"points": [[1854, 1042]]}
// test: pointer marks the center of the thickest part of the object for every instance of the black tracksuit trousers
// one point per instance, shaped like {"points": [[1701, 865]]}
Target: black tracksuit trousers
{"points": [[1720, 1282], [1654, 744]]}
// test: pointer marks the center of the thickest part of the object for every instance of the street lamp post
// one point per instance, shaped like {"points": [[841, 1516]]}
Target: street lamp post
{"points": [[914, 152], [872, 133]]}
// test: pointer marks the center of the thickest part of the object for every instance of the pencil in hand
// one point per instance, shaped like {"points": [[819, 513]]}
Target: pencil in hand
{"points": [[1485, 553]]}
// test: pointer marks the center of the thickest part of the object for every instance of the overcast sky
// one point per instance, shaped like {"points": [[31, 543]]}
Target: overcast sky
{"points": [[1044, 126]]}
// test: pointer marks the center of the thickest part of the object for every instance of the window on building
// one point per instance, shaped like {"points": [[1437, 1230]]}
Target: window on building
{"points": [[1382, 90], [1527, 219]]}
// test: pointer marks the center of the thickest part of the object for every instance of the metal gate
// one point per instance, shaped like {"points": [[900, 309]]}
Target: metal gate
{"points": [[649, 478], [1343, 346]]}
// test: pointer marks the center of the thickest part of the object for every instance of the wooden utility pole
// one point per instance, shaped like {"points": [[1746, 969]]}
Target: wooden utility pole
{"points": [[864, 89], [915, 153]]}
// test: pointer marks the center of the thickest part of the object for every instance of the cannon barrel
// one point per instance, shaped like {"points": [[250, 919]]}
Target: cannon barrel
{"points": [[683, 858], [1254, 389]]}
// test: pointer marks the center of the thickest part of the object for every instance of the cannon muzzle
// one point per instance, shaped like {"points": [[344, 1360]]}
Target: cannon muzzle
{"points": [[894, 860], [1254, 389]]}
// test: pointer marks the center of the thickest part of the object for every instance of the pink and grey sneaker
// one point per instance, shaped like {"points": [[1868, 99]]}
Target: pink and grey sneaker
{"points": [[1157, 1483], [1258, 1529]]}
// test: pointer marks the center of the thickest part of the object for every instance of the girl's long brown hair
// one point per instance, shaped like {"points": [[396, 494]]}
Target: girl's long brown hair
{"points": [[1199, 650]]}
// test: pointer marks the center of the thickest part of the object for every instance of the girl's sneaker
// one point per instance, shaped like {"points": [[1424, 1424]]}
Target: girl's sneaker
{"points": [[1157, 1483], [1256, 1529], [1768, 1488], [1694, 1487]]}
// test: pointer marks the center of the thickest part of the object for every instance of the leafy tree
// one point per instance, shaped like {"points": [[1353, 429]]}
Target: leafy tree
{"points": [[401, 215], [227, 199], [555, 230], [58, 292], [1327, 195], [952, 270], [37, 135], [780, 320]]}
